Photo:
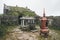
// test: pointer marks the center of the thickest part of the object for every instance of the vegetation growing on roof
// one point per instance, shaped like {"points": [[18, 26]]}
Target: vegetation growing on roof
{"points": [[11, 10]]}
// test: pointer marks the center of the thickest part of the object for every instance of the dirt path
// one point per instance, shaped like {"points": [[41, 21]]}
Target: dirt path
{"points": [[23, 35], [26, 36]]}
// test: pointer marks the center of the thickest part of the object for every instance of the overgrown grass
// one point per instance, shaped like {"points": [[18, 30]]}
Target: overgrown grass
{"points": [[43, 38], [5, 29]]}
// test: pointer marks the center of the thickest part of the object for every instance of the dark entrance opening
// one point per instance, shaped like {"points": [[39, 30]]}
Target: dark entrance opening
{"points": [[19, 21]]}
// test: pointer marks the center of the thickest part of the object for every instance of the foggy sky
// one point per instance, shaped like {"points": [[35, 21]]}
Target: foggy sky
{"points": [[52, 7]]}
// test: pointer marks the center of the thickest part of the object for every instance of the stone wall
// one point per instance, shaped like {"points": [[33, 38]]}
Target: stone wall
{"points": [[0, 20], [8, 20]]}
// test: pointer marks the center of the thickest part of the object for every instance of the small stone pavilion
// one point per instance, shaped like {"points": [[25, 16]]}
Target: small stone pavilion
{"points": [[26, 20]]}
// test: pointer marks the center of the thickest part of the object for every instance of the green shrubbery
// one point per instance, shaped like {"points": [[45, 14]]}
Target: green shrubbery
{"points": [[55, 23], [4, 29], [9, 25]]}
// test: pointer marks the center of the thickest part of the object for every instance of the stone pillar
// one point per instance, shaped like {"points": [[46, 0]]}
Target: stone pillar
{"points": [[23, 22], [33, 21], [0, 21]]}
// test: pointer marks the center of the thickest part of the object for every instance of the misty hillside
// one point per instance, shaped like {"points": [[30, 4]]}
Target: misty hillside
{"points": [[8, 27]]}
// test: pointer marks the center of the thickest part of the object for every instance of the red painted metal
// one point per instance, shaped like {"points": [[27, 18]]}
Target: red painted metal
{"points": [[44, 28], [43, 20]]}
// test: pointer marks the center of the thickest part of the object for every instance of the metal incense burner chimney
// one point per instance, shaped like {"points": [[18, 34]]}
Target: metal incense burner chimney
{"points": [[44, 25]]}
